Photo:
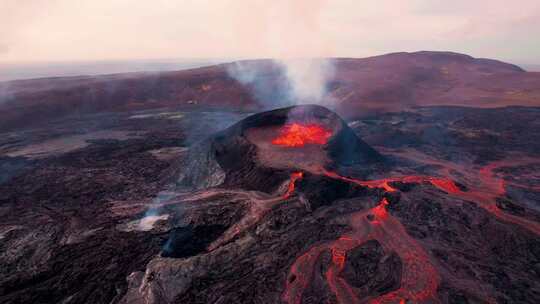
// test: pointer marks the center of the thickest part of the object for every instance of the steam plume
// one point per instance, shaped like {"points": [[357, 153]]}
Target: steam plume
{"points": [[309, 79], [282, 82], [291, 32]]}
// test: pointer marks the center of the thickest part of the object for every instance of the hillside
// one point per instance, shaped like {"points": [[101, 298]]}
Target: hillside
{"points": [[376, 84]]}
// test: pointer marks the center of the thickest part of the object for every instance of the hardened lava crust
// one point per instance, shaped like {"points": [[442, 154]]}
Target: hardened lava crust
{"points": [[294, 205]]}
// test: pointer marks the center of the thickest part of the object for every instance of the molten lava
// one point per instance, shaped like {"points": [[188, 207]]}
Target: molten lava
{"points": [[294, 177], [420, 279], [298, 135]]}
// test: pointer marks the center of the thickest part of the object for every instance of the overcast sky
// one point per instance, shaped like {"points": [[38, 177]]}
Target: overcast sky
{"points": [[66, 30]]}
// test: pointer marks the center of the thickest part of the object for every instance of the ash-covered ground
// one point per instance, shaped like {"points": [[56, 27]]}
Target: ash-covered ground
{"points": [[429, 205]]}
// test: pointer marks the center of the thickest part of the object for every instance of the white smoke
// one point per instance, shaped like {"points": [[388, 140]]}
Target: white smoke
{"points": [[309, 79], [244, 72], [148, 221], [290, 32], [153, 214], [282, 82], [265, 80]]}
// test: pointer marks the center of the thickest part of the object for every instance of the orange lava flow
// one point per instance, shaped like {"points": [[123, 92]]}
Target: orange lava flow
{"points": [[484, 194], [292, 183], [420, 279], [484, 184], [489, 189], [446, 185], [382, 183], [298, 135], [489, 180]]}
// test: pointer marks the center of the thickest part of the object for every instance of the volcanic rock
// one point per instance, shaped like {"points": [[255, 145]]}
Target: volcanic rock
{"points": [[98, 224], [360, 86], [263, 149]]}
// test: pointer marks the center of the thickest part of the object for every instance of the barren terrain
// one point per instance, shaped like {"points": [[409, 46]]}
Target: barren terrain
{"points": [[178, 187]]}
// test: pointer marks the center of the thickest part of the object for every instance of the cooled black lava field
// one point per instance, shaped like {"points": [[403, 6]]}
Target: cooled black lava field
{"points": [[294, 205]]}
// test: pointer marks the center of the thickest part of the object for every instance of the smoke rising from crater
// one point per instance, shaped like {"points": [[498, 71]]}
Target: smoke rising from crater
{"points": [[309, 79], [293, 36], [298, 81]]}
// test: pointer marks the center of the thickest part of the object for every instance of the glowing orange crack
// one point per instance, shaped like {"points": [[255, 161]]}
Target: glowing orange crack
{"points": [[292, 183]]}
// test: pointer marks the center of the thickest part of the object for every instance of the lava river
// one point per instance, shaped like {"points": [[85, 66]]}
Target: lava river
{"points": [[419, 278], [484, 194]]}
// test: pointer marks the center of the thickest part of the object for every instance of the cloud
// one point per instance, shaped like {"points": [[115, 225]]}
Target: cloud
{"points": [[4, 48], [122, 29], [16, 15]]}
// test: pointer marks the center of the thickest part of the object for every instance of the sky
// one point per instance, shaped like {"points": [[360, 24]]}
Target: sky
{"points": [[90, 30]]}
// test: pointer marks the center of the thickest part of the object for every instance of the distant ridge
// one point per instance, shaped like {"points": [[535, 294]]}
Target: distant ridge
{"points": [[390, 82]]}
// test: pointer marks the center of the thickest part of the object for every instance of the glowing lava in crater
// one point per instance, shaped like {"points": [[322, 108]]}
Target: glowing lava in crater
{"points": [[298, 135]]}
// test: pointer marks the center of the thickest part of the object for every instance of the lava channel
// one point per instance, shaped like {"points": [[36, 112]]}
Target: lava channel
{"points": [[257, 208], [487, 185], [484, 195], [489, 189], [419, 280], [292, 183], [446, 185]]}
